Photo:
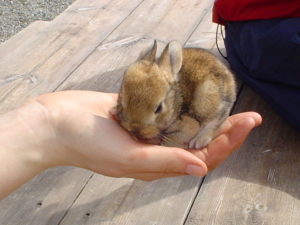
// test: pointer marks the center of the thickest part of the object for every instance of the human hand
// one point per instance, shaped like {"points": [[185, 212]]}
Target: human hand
{"points": [[76, 128], [232, 135], [90, 138]]}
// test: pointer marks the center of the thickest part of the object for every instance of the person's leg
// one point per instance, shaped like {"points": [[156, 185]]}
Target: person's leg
{"points": [[265, 54]]}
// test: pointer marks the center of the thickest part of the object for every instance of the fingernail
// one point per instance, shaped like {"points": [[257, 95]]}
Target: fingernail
{"points": [[194, 170]]}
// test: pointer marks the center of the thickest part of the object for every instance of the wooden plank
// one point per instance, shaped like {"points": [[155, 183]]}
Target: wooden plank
{"points": [[57, 50], [205, 37], [10, 46], [259, 183], [160, 20], [205, 34], [20, 38], [164, 21], [45, 198], [126, 201]]}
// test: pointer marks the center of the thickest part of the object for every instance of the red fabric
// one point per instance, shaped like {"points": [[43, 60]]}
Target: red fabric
{"points": [[242, 10]]}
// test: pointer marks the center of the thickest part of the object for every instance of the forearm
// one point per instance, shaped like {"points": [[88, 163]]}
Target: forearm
{"points": [[23, 139]]}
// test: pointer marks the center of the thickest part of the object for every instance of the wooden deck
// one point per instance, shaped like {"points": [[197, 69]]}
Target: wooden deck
{"points": [[88, 47]]}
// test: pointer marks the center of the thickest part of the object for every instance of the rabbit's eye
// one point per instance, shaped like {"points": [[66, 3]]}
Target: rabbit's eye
{"points": [[158, 109]]}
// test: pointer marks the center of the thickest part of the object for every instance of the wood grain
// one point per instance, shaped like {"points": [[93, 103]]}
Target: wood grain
{"points": [[55, 52], [127, 201], [104, 68], [45, 198], [21, 39]]}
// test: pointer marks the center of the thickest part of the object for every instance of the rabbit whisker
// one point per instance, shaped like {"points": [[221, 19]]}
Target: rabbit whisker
{"points": [[168, 140]]}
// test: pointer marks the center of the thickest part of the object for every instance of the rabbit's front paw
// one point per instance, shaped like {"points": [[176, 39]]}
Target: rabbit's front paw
{"points": [[200, 142]]}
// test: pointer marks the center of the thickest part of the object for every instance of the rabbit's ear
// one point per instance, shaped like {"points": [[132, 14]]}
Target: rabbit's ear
{"points": [[149, 52], [171, 58]]}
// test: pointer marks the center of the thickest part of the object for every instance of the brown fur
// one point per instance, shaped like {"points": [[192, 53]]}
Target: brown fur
{"points": [[196, 92]]}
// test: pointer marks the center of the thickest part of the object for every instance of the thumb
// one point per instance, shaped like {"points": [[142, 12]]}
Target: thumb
{"points": [[219, 149], [154, 162]]}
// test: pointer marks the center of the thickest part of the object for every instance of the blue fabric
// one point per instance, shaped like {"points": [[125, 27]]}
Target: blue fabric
{"points": [[265, 54]]}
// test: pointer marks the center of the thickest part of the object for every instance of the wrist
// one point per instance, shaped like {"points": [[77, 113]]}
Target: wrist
{"points": [[26, 143]]}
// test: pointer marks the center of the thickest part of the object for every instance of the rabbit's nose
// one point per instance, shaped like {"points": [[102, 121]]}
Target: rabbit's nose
{"points": [[136, 131]]}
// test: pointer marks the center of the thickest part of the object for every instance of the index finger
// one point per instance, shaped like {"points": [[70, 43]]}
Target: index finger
{"points": [[235, 118]]}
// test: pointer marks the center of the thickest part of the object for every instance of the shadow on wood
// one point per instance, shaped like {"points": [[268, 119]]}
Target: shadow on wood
{"points": [[114, 201]]}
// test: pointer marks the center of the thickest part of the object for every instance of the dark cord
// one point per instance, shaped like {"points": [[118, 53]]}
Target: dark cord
{"points": [[217, 32]]}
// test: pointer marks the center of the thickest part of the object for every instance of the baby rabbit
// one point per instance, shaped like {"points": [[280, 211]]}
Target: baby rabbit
{"points": [[180, 99]]}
